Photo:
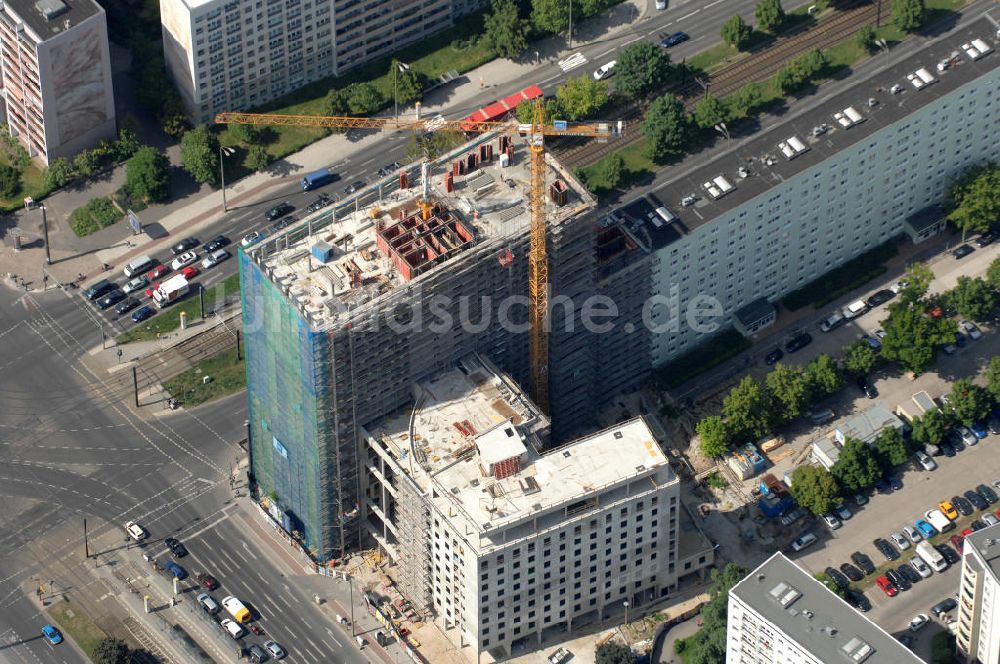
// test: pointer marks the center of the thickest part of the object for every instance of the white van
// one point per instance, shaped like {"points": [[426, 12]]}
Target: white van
{"points": [[233, 628], [855, 309], [605, 70], [138, 265]]}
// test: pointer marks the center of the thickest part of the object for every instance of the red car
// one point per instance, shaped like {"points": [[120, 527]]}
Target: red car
{"points": [[157, 272], [190, 272], [958, 541], [887, 586], [150, 289], [207, 581]]}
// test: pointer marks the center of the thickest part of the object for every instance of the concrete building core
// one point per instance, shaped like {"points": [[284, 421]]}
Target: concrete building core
{"points": [[55, 66], [502, 539]]}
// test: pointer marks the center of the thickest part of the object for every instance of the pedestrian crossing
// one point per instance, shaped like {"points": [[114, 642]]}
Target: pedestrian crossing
{"points": [[573, 61]]}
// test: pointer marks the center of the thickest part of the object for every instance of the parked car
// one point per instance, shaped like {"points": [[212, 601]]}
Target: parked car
{"points": [[867, 387], [101, 288], [887, 586], [970, 329], [977, 524], [880, 297], [839, 579], [792, 517], [803, 541], [872, 341], [798, 342], [251, 238], [157, 272], [962, 251], [278, 211], [190, 272], [926, 529], [175, 570], [948, 554], [860, 499], [135, 284], [986, 239], [895, 482], [988, 494], [863, 562], [918, 621], [674, 39], [773, 357], [216, 243], [112, 298], [857, 600], [851, 572], [843, 512], [901, 542], [957, 541], [276, 651], [990, 520], [832, 522], [354, 186], [176, 547], [912, 534], [214, 258], [898, 287], [960, 340], [977, 501], [886, 549], [979, 430], [126, 305], [184, 245], [207, 581], [142, 314], [944, 606], [908, 573], [962, 505], [948, 509], [208, 604], [925, 461], [605, 70], [822, 416], [184, 260], [921, 568], [898, 579]]}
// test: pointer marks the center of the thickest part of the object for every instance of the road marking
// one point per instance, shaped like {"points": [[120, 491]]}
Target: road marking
{"points": [[573, 61], [634, 39], [283, 601], [313, 644], [240, 555], [334, 639], [247, 549], [689, 15], [712, 4], [610, 50]]}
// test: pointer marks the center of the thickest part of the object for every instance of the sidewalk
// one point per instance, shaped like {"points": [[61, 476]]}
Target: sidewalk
{"points": [[81, 257]]}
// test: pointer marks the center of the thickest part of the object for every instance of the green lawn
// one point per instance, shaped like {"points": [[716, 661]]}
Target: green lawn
{"points": [[77, 625], [228, 376], [170, 319]]}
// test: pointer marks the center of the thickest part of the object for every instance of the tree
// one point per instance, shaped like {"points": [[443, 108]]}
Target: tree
{"points": [[744, 100], [257, 158], [666, 127], [175, 124], [612, 170], [249, 134], [785, 80], [769, 14], [612, 652], [931, 427], [363, 98], [736, 32], [127, 144], [993, 378], [908, 15], [973, 200], [200, 155], [642, 68], [911, 337], [823, 377], [857, 468], [582, 97], [709, 112], [112, 651], [973, 298], [147, 175], [10, 181], [410, 84], [890, 448], [336, 103], [59, 172], [87, 162], [790, 389], [993, 274], [859, 358], [968, 402], [550, 15], [865, 37], [505, 33], [814, 488], [713, 436], [749, 409], [918, 278]]}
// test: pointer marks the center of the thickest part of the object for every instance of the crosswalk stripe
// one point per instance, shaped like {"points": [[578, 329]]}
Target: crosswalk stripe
{"points": [[572, 62]]}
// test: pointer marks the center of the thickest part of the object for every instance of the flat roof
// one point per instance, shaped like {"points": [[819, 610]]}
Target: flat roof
{"points": [[381, 236], [768, 165], [815, 618], [438, 443], [754, 311], [986, 544], [62, 14], [925, 218], [867, 424]]}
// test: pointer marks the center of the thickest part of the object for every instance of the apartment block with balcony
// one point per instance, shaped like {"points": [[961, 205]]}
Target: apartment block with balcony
{"points": [[977, 636], [56, 75], [227, 55]]}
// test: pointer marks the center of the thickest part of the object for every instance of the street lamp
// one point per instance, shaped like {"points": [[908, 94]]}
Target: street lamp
{"points": [[625, 603], [723, 129], [571, 23], [223, 153], [399, 67], [45, 229]]}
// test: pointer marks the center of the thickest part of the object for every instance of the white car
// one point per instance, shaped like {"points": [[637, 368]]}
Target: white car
{"points": [[232, 627], [214, 259], [880, 333], [605, 71], [990, 520], [900, 541], [925, 461], [918, 621], [912, 533], [136, 284], [661, 4], [803, 542], [971, 329], [184, 260], [899, 285], [831, 521], [250, 238], [920, 566], [135, 531]]}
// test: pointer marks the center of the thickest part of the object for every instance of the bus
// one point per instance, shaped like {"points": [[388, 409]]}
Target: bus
{"points": [[318, 179]]}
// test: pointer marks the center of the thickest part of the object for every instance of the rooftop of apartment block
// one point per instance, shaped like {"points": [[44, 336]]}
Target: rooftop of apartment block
{"points": [[48, 18], [398, 228], [753, 166], [986, 543], [474, 436], [815, 618]]}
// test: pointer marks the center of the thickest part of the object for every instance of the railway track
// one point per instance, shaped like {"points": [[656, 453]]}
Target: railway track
{"points": [[757, 67]]}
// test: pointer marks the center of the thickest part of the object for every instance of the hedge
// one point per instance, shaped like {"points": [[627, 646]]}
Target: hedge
{"points": [[842, 280], [701, 358], [98, 213]]}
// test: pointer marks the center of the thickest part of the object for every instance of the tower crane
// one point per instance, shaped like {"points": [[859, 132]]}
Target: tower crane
{"points": [[538, 264]]}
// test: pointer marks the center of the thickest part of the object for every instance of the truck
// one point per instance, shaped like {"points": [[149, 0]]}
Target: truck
{"points": [[937, 519], [236, 609], [931, 556], [318, 179], [171, 290]]}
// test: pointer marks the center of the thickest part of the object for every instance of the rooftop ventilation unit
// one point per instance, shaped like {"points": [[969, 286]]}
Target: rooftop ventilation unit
{"points": [[848, 117], [857, 650], [792, 148], [920, 78], [976, 49], [718, 187], [785, 594], [50, 9]]}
